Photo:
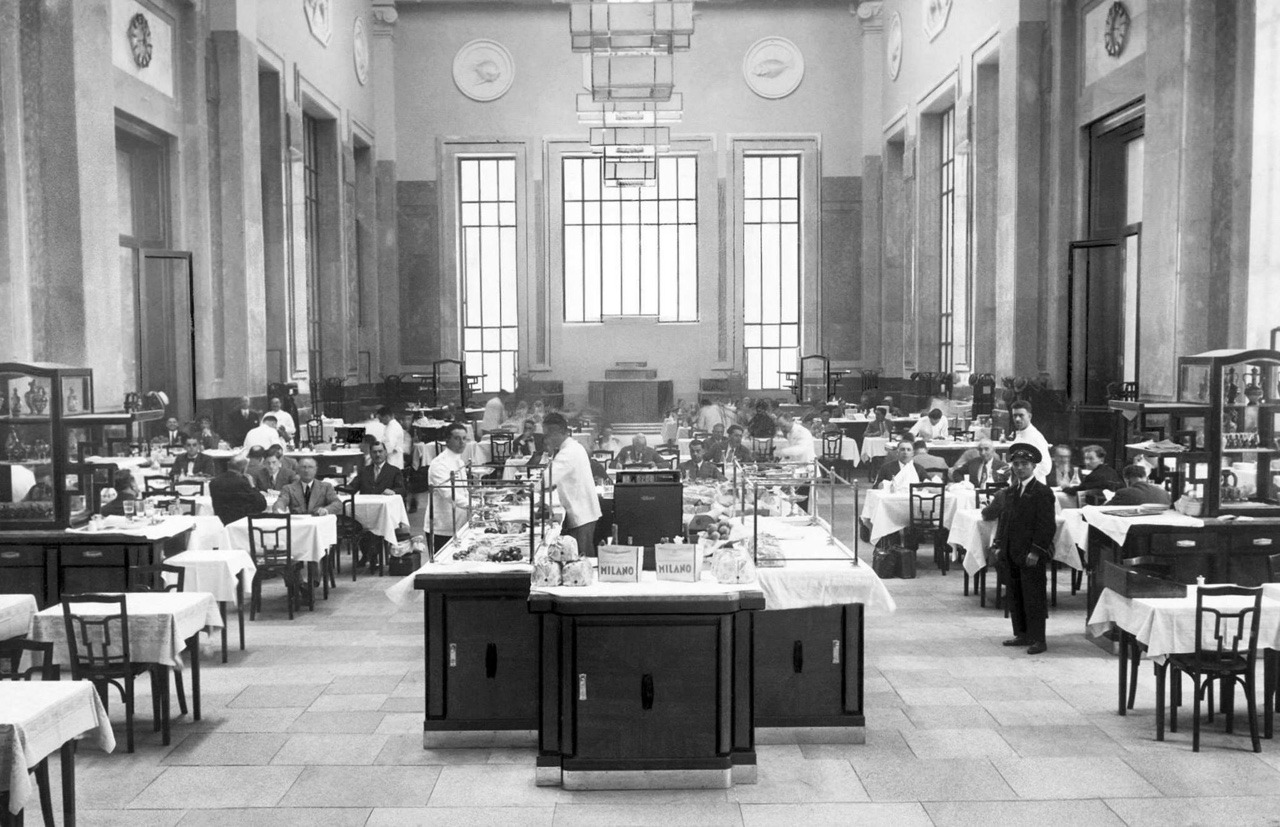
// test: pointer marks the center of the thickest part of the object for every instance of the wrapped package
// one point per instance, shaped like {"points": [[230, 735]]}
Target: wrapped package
{"points": [[733, 565], [577, 573], [546, 572], [563, 549]]}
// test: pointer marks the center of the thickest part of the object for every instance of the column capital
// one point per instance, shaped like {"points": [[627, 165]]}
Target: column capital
{"points": [[384, 20], [870, 14]]}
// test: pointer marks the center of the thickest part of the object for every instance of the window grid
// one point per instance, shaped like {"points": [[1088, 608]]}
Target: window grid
{"points": [[946, 235], [772, 255], [487, 269], [630, 250], [311, 202]]}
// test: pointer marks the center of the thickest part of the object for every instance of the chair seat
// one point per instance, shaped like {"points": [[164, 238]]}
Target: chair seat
{"points": [[1210, 663]]}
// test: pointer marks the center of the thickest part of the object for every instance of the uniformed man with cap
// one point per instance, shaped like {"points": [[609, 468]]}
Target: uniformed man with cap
{"points": [[1024, 542]]}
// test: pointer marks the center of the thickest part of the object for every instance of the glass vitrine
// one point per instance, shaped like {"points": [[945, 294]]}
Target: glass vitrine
{"points": [[1241, 474]]}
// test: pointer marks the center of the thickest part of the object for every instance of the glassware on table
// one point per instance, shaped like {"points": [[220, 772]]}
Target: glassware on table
{"points": [[148, 508], [130, 508]]}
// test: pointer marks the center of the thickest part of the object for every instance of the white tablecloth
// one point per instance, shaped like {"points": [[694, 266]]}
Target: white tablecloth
{"points": [[973, 534], [1117, 528], [139, 467], [163, 530], [214, 571], [16, 611], [819, 571], [874, 446], [159, 624], [886, 512], [221, 453], [36, 719], [381, 514], [312, 536], [477, 453], [649, 586], [1167, 625], [209, 533]]}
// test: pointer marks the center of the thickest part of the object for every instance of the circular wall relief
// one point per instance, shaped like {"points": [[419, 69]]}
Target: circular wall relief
{"points": [[140, 40], [773, 67], [483, 70], [893, 46], [360, 51]]}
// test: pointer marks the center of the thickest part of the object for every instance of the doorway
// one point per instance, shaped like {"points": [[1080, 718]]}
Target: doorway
{"points": [[166, 329]]}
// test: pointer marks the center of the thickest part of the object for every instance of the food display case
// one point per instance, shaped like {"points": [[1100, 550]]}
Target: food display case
{"points": [[1233, 465]]}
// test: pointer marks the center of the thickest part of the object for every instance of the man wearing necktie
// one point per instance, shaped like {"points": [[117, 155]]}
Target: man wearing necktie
{"points": [[1024, 536], [308, 495]]}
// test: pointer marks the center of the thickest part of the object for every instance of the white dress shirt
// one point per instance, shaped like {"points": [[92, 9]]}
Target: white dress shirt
{"points": [[569, 472], [450, 507], [799, 445], [925, 429], [262, 436], [1032, 436], [393, 438], [284, 419]]}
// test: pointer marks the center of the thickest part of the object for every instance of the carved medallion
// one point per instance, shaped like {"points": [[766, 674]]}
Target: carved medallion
{"points": [[935, 16], [483, 70], [360, 51], [1115, 32], [140, 40], [893, 46], [319, 15], [773, 67]]}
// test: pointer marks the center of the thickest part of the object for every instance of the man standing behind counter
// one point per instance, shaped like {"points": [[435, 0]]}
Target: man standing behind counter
{"points": [[569, 472]]}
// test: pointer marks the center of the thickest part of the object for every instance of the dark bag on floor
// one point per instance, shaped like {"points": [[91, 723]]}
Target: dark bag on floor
{"points": [[906, 559], [406, 564], [884, 563]]}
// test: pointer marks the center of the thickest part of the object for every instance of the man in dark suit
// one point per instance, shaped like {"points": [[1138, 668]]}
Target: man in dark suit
{"points": [[308, 495], [379, 476], [272, 475], [637, 453], [1024, 539], [1099, 476], [240, 422], [192, 463], [985, 468], [1138, 491], [172, 436], [895, 462], [233, 493], [697, 467]]}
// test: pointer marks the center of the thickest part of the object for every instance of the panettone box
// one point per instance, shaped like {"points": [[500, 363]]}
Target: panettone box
{"points": [[619, 564], [678, 561]]}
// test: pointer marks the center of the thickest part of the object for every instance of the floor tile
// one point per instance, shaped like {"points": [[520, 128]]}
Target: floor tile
{"points": [[366, 723], [949, 717], [406, 750], [364, 684], [1054, 712], [1087, 777], [834, 815], [1059, 741], [1207, 774], [227, 748], [200, 787], [279, 817], [490, 785], [1238, 811], [348, 703], [1016, 813], [935, 696], [319, 749], [277, 695], [361, 787], [116, 818], [801, 780], [956, 779], [722, 814], [957, 743], [450, 816]]}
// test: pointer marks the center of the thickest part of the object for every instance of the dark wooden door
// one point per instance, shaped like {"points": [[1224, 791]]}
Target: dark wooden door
{"points": [[491, 652], [799, 662]]}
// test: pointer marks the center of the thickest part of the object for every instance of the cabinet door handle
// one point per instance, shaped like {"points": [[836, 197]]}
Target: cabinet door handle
{"points": [[9, 555], [797, 656], [453, 654], [646, 691], [94, 554], [491, 660], [1186, 544], [1262, 541], [582, 686], [835, 651]]}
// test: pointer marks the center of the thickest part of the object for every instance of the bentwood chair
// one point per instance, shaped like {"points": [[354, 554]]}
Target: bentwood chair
{"points": [[1226, 651], [350, 531], [157, 485], [11, 653], [315, 431], [1159, 567], [152, 579], [762, 449], [271, 547], [832, 442], [98, 648], [926, 505], [500, 447], [667, 456]]}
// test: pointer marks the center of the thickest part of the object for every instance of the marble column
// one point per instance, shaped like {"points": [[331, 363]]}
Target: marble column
{"points": [[1263, 284], [383, 78], [871, 332]]}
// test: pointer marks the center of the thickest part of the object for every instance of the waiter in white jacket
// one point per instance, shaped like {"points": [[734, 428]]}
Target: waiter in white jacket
{"points": [[569, 472], [1024, 431]]}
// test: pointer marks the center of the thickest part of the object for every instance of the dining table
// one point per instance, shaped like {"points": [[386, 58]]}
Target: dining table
{"points": [[1167, 626], [161, 626], [16, 611], [972, 535], [221, 572], [885, 512], [38, 718], [312, 538], [381, 514]]}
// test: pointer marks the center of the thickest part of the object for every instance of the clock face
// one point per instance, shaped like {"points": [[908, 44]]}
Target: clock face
{"points": [[1116, 32], [140, 40]]}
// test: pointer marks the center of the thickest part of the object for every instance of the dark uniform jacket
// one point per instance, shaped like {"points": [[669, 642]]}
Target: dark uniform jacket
{"points": [[1026, 522]]}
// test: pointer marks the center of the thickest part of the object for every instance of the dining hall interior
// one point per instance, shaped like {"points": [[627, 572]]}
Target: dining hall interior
{"points": [[639, 411]]}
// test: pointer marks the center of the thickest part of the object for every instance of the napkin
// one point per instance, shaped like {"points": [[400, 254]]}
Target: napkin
{"points": [[905, 478]]}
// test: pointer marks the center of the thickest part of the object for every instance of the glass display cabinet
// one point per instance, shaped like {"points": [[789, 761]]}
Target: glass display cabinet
{"points": [[49, 426], [1237, 463]]}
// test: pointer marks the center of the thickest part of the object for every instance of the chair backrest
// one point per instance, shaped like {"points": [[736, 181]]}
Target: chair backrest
{"points": [[1091, 497], [271, 539], [500, 446], [11, 652], [602, 455], [315, 430], [926, 504], [151, 578], [762, 448], [348, 524], [982, 496], [188, 488], [97, 646], [934, 474], [153, 484], [668, 456], [1226, 629], [831, 443]]}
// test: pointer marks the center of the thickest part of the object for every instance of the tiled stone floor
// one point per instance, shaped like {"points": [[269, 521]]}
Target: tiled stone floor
{"points": [[319, 723]]}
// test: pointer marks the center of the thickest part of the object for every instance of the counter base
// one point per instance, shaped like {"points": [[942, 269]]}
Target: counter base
{"points": [[850, 730], [647, 779], [477, 738]]}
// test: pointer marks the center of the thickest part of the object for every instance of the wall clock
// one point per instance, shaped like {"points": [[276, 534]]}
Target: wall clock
{"points": [[140, 40], [1115, 32]]}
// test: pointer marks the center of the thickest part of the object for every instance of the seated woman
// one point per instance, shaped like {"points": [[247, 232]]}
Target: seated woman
{"points": [[125, 488], [1098, 476], [880, 426]]}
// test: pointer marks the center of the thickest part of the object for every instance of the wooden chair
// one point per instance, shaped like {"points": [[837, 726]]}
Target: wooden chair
{"points": [[151, 579], [99, 653], [315, 430], [500, 446], [350, 530], [158, 485], [668, 456], [1226, 651], [762, 449], [926, 505], [11, 653], [273, 557], [603, 456], [1159, 567]]}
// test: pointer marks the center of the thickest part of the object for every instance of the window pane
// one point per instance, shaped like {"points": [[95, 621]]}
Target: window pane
{"points": [[506, 181], [488, 180], [470, 180], [573, 274], [487, 269], [751, 182], [771, 256], [591, 283], [572, 179], [751, 274], [508, 268]]}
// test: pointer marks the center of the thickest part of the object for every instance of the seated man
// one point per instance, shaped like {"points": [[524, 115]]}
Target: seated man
{"points": [[283, 418], [926, 461], [888, 405], [637, 453], [126, 489], [606, 441], [895, 460], [933, 426], [192, 463], [379, 476], [205, 433], [233, 494], [172, 436], [880, 426], [529, 443], [983, 469], [308, 495], [697, 467], [1138, 491], [266, 434], [287, 463], [272, 475], [734, 449], [1064, 472], [1099, 476], [714, 445]]}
